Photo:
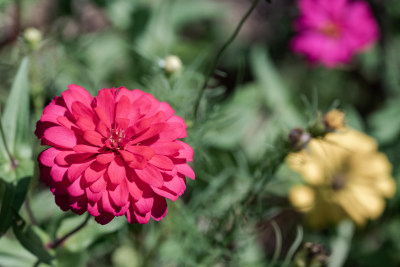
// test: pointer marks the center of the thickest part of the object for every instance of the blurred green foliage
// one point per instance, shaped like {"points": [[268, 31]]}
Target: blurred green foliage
{"points": [[258, 94]]}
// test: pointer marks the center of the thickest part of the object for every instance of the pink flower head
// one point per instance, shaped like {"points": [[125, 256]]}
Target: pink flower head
{"points": [[115, 154], [331, 31]]}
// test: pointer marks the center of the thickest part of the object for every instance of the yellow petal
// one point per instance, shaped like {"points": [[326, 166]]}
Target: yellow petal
{"points": [[302, 197], [370, 203]]}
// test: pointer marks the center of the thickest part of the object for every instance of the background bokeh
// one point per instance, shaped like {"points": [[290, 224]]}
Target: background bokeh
{"points": [[236, 212]]}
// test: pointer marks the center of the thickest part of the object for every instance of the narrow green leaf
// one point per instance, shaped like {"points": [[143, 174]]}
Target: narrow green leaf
{"points": [[30, 240], [13, 198], [341, 244], [15, 118], [276, 94]]}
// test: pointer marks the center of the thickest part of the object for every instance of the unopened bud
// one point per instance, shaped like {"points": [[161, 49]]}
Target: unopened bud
{"points": [[334, 120], [171, 64], [299, 139], [33, 36], [311, 255]]}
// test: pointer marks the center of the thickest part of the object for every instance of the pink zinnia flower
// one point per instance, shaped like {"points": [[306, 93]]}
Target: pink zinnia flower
{"points": [[331, 31], [115, 154]]}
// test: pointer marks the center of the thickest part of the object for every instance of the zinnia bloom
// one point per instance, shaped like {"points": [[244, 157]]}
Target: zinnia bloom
{"points": [[345, 177], [330, 32], [115, 154]]}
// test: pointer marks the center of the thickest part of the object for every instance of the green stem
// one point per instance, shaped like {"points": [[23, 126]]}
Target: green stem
{"points": [[61, 240], [219, 55], [3, 137]]}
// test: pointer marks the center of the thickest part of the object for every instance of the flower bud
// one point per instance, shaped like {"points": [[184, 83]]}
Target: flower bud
{"points": [[311, 255], [334, 120], [171, 64], [299, 139], [33, 36]]}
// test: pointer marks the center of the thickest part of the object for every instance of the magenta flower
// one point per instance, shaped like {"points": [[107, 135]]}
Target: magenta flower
{"points": [[115, 154], [330, 32]]}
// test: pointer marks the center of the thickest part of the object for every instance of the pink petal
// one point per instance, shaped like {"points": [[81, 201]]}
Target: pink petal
{"points": [[167, 148], [122, 108], [134, 190], [143, 103], [60, 137], [93, 196], [104, 218], [145, 203], [116, 171], [105, 158], [94, 172], [75, 170], [127, 156], [106, 101], [86, 149], [93, 138], [120, 195], [58, 173], [162, 162], [64, 121], [186, 153], [93, 209], [144, 151], [185, 170], [103, 117], [106, 204], [76, 188], [103, 129], [138, 163], [81, 110], [52, 112], [47, 157], [165, 192], [98, 186], [76, 93], [166, 109], [61, 157], [85, 124], [173, 131], [151, 176], [154, 130], [159, 209]]}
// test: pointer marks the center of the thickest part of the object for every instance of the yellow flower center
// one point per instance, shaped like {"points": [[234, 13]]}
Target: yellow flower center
{"points": [[330, 29]]}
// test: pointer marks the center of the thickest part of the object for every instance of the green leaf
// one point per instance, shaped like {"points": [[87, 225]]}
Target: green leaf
{"points": [[13, 198], [29, 237], [384, 123], [15, 118], [341, 244], [13, 254], [276, 94]]}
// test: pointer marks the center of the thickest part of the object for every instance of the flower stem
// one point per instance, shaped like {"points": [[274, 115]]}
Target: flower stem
{"points": [[219, 55], [14, 162], [61, 240]]}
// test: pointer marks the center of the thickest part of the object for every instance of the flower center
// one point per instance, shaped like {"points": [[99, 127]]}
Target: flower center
{"points": [[330, 29], [338, 181], [116, 136]]}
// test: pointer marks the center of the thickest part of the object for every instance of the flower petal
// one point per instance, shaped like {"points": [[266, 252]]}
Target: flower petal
{"points": [[60, 136], [151, 176], [116, 171]]}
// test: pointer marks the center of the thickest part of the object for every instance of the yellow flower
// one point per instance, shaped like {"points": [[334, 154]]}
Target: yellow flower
{"points": [[345, 176]]}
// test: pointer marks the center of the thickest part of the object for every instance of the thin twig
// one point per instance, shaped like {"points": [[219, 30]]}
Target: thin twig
{"points": [[29, 211], [219, 55], [61, 240]]}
